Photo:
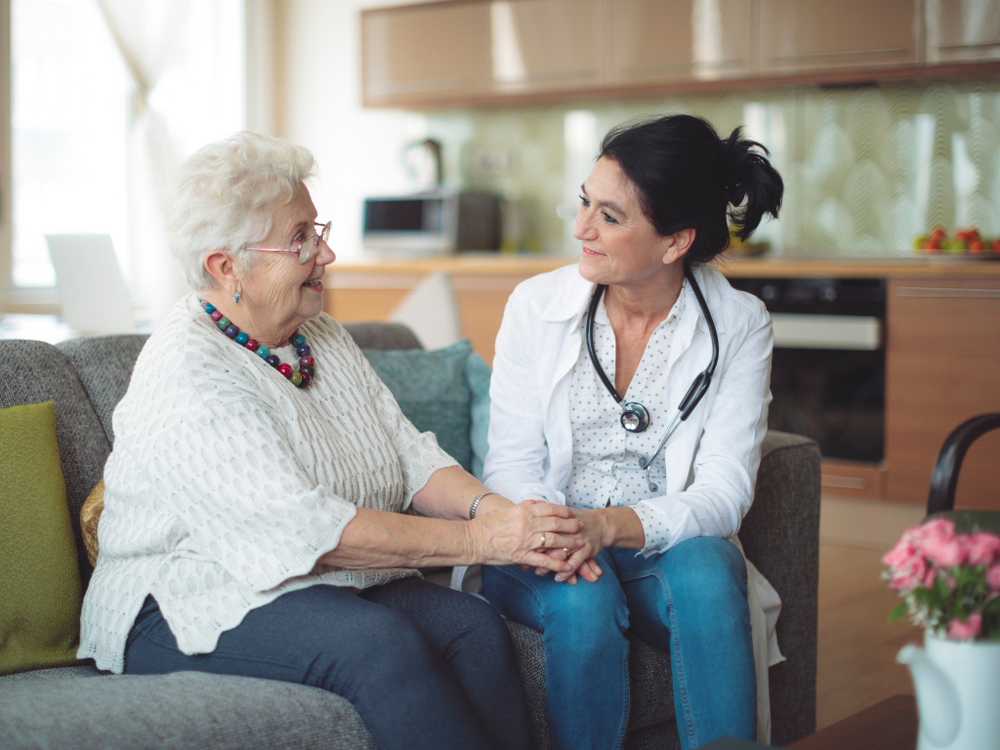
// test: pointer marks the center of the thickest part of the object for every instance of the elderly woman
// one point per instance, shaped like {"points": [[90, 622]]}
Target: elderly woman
{"points": [[634, 388], [254, 512]]}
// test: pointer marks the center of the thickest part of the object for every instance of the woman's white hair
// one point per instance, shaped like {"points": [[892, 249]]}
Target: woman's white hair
{"points": [[223, 195]]}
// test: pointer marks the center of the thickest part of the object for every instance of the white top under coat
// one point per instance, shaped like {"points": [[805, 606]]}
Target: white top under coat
{"points": [[606, 456]]}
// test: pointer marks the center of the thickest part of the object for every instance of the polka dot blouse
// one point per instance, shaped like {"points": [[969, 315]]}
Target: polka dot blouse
{"points": [[606, 458]]}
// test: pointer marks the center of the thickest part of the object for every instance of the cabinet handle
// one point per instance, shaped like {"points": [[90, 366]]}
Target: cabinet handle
{"points": [[933, 291]]}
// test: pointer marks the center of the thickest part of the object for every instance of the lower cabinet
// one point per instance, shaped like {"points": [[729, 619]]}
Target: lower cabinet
{"points": [[942, 368]]}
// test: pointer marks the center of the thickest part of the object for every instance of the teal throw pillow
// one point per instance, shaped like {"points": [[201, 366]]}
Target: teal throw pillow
{"points": [[478, 374], [432, 392]]}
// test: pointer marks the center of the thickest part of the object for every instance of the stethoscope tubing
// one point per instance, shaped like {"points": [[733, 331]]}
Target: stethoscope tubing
{"points": [[696, 391]]}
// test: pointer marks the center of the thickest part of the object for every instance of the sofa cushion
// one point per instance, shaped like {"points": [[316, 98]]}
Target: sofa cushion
{"points": [[88, 710], [35, 372], [431, 390], [477, 374], [40, 587]]}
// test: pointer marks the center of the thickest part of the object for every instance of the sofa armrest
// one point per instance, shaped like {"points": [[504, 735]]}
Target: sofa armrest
{"points": [[780, 535]]}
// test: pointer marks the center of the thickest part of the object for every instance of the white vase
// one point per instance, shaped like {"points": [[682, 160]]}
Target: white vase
{"points": [[958, 693]]}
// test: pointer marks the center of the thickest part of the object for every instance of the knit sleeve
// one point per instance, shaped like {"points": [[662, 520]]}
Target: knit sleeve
{"points": [[224, 467]]}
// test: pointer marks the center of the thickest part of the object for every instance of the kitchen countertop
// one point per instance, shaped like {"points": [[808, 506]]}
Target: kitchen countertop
{"points": [[779, 267]]}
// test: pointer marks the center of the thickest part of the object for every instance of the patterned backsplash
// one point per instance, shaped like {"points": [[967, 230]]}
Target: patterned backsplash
{"points": [[865, 168]]}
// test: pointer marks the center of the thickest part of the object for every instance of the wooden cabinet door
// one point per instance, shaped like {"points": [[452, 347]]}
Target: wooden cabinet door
{"points": [[546, 45], [942, 368], [962, 30], [415, 54], [672, 41], [809, 36]]}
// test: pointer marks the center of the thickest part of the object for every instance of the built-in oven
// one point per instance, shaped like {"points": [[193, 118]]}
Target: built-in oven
{"points": [[828, 368]]}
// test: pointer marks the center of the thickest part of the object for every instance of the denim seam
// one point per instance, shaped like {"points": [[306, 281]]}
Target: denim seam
{"points": [[676, 664]]}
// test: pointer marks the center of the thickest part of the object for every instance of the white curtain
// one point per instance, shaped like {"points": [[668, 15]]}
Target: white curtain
{"points": [[147, 34]]}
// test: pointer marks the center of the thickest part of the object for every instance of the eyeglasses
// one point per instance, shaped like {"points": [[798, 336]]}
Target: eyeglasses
{"points": [[305, 248]]}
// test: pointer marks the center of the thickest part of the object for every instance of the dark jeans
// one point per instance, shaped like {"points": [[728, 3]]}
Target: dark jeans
{"points": [[424, 666]]}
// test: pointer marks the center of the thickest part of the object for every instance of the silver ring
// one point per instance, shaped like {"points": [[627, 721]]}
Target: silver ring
{"points": [[543, 539]]}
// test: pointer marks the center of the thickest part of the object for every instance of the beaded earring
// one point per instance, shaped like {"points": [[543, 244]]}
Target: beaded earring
{"points": [[236, 297]]}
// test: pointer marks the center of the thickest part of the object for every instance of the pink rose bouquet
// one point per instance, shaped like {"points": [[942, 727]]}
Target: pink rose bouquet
{"points": [[949, 582]]}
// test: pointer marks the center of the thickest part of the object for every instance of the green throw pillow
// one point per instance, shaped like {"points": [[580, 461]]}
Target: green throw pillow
{"points": [[478, 374], [431, 390], [40, 580]]}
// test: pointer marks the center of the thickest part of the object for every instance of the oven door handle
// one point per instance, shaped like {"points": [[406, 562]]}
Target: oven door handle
{"points": [[800, 331]]}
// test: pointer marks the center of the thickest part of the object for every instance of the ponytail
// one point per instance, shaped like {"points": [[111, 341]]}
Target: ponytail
{"points": [[751, 178], [687, 178]]}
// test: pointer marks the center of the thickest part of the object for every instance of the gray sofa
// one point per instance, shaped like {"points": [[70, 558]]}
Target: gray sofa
{"points": [[80, 707]]}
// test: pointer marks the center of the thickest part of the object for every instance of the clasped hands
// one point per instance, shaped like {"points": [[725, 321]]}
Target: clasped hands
{"points": [[546, 537]]}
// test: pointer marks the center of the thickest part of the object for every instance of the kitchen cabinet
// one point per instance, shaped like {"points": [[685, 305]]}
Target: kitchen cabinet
{"points": [[942, 367], [668, 41], [414, 53], [809, 36], [541, 45], [962, 30]]}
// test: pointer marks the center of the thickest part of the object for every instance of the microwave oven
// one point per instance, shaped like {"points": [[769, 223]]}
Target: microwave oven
{"points": [[433, 223]]}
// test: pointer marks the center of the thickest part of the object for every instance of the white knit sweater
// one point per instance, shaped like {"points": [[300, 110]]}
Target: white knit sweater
{"points": [[227, 483]]}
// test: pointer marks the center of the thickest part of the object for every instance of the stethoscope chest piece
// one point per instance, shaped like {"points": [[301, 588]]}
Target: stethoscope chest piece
{"points": [[635, 416]]}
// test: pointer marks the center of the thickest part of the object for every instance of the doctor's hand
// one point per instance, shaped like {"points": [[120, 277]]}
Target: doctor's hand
{"points": [[603, 528], [589, 569]]}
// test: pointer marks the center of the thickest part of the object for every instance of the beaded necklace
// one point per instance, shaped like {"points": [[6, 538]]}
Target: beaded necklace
{"points": [[307, 365]]}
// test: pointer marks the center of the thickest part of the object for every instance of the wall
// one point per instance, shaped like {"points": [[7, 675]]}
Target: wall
{"points": [[866, 168]]}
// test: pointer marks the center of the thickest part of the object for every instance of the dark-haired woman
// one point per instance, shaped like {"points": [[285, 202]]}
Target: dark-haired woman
{"points": [[569, 425]]}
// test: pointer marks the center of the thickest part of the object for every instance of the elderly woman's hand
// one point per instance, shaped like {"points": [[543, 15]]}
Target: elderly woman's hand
{"points": [[516, 534]]}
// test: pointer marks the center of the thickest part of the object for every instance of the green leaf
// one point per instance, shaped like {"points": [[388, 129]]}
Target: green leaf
{"points": [[898, 612]]}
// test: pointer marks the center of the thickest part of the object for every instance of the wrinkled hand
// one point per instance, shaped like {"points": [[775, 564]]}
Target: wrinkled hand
{"points": [[593, 542], [588, 569], [516, 534]]}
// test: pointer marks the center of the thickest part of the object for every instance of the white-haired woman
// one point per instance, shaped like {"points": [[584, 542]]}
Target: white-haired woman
{"points": [[253, 518]]}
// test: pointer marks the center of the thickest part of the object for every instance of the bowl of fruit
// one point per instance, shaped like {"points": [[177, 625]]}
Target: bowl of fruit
{"points": [[962, 242]]}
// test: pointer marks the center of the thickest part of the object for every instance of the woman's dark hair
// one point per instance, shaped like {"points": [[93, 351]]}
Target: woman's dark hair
{"points": [[688, 177]]}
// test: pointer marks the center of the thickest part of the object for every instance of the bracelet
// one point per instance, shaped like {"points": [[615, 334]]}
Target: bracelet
{"points": [[475, 502]]}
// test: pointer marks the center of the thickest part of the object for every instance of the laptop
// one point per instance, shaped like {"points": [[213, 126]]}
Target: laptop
{"points": [[91, 290]]}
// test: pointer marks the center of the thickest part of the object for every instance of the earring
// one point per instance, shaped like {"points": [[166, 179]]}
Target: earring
{"points": [[236, 297]]}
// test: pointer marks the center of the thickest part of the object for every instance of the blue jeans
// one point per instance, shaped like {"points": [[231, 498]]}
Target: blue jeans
{"points": [[424, 666], [690, 601]]}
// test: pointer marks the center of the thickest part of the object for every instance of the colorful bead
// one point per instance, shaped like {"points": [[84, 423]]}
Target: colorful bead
{"points": [[300, 378]]}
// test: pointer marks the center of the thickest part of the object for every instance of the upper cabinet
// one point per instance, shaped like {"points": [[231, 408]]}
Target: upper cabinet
{"points": [[670, 41], [542, 45], [962, 30], [808, 36], [486, 51], [414, 53]]}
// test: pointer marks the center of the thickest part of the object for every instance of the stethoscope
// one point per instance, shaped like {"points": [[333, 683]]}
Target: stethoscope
{"points": [[635, 417]]}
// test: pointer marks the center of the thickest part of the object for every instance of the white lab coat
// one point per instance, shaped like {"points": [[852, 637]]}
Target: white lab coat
{"points": [[711, 458]]}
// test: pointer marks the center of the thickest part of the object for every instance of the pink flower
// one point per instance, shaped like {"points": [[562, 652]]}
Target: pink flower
{"points": [[942, 548], [937, 527], [901, 555], [962, 631], [929, 576], [909, 577], [983, 548], [993, 577]]}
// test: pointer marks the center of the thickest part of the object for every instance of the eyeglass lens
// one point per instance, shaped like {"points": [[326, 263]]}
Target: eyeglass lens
{"points": [[310, 245]]}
